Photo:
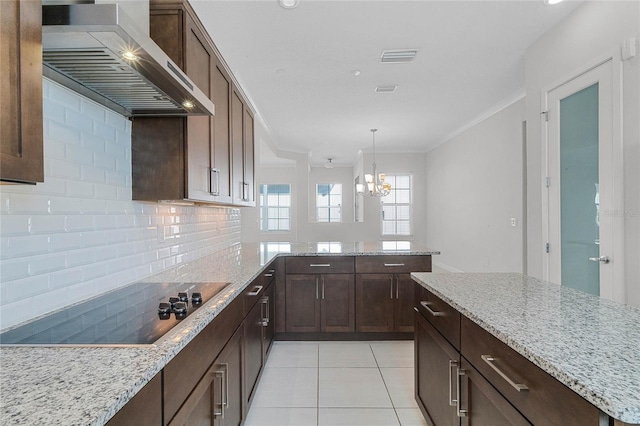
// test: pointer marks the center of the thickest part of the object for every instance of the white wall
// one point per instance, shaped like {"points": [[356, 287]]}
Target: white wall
{"points": [[474, 187], [594, 31], [78, 234]]}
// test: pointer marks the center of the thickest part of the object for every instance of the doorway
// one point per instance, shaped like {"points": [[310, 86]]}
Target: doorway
{"points": [[582, 185]]}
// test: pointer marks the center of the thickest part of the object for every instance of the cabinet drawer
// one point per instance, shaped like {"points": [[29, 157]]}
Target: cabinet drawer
{"points": [[256, 290], [320, 265], [544, 401], [392, 264], [443, 317], [183, 372]]}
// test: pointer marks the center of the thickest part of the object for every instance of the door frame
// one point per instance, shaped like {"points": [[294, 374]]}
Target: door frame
{"points": [[616, 291]]}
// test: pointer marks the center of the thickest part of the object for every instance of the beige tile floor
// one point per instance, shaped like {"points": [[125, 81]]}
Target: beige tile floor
{"points": [[337, 383]]}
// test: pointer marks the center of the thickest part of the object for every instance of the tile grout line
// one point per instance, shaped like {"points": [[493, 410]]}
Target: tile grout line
{"points": [[318, 389], [385, 383]]}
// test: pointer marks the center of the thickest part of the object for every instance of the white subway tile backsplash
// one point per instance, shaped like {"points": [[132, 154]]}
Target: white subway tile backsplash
{"points": [[25, 287], [62, 133], [63, 169], [79, 121], [79, 189], [14, 269], [68, 241], [14, 225], [65, 278], [79, 234], [92, 110], [47, 224], [28, 245], [47, 263]]}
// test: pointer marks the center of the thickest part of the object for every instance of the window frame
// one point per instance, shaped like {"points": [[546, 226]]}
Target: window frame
{"points": [[265, 208], [329, 207], [409, 205]]}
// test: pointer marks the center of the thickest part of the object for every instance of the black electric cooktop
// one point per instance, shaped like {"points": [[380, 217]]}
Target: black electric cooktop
{"points": [[137, 314]]}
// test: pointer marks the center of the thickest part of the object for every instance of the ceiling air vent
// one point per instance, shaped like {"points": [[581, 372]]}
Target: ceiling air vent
{"points": [[398, 56], [386, 89]]}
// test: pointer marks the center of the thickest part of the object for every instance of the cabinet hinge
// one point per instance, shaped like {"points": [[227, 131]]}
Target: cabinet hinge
{"points": [[546, 115], [546, 247]]}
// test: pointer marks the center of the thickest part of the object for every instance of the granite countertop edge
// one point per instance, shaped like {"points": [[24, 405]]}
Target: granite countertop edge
{"points": [[147, 360], [627, 414]]}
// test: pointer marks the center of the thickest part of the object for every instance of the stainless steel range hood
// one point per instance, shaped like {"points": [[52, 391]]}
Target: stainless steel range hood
{"points": [[84, 47]]}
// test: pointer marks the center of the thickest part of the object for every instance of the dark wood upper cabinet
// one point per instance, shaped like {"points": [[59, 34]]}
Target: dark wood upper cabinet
{"points": [[191, 158], [21, 139]]}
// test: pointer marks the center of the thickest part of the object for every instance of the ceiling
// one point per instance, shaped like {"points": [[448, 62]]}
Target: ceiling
{"points": [[297, 67]]}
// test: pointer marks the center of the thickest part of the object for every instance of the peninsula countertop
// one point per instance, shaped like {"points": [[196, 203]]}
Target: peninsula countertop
{"points": [[87, 385], [589, 344]]}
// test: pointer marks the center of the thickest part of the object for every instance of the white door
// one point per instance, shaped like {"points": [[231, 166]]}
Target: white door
{"points": [[581, 185]]}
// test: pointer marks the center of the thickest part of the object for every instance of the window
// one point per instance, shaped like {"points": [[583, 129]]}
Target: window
{"points": [[275, 207], [329, 202], [396, 207]]}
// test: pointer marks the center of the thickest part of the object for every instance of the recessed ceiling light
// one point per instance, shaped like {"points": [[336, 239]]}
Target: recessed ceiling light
{"points": [[552, 2], [356, 72], [288, 4], [281, 71], [188, 104]]}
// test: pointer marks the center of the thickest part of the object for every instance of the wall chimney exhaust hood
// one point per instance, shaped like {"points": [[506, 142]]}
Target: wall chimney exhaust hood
{"points": [[98, 51]]}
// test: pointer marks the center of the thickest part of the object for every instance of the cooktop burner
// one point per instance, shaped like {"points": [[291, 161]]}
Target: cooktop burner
{"points": [[140, 313]]}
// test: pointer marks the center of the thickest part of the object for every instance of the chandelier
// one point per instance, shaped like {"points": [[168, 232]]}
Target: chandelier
{"points": [[376, 186]]}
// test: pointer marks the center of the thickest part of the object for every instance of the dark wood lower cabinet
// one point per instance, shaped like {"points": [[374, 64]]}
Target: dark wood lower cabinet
{"points": [[483, 405], [269, 325], [217, 398], [436, 361], [384, 303], [253, 348], [320, 303], [375, 295]]}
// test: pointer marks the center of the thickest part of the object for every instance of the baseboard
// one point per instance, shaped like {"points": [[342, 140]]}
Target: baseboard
{"points": [[446, 267]]}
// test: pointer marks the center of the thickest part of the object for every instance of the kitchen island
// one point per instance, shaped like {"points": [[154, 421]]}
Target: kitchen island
{"points": [[588, 344], [87, 385]]}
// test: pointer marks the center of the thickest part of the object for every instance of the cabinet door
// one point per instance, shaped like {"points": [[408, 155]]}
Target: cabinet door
{"points": [[221, 166], [21, 157], [302, 303], [198, 66], [253, 350], [374, 302], [483, 404], [269, 324], [403, 306], [337, 311], [230, 403], [237, 143], [436, 363], [248, 149]]}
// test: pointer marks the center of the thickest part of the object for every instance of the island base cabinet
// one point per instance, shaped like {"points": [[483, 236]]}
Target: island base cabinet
{"points": [[436, 365], [481, 404]]}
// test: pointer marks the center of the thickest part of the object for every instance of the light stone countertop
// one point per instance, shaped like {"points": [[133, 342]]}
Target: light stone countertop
{"points": [[88, 385], [590, 344]]}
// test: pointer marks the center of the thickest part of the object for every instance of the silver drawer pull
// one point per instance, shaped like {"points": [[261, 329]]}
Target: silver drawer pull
{"points": [[490, 361], [425, 304], [319, 265], [268, 275], [461, 412], [394, 264], [256, 290]]}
